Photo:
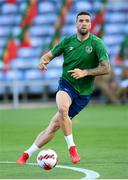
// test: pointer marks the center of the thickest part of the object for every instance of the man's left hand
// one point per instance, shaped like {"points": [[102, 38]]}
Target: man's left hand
{"points": [[78, 73]]}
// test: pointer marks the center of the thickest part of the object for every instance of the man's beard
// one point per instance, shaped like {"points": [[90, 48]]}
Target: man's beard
{"points": [[83, 32]]}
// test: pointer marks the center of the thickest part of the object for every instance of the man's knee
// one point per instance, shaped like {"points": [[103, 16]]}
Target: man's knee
{"points": [[63, 111]]}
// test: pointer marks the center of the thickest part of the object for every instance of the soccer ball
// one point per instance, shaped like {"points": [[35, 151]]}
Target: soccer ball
{"points": [[47, 159]]}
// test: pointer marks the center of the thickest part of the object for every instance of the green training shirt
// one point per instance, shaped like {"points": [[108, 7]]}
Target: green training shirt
{"points": [[83, 55]]}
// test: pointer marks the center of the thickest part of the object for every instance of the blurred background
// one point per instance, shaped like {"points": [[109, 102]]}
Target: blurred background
{"points": [[29, 28]]}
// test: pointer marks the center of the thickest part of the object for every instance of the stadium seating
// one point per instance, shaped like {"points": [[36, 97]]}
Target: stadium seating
{"points": [[24, 67], [9, 9], [13, 78], [31, 76], [82, 5], [49, 7], [2, 78]]}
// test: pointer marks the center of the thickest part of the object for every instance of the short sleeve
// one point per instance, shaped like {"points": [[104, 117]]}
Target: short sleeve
{"points": [[58, 49], [101, 50]]}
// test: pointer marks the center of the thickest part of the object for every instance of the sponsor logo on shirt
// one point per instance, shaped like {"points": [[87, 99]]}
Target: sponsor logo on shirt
{"points": [[88, 49], [71, 48]]}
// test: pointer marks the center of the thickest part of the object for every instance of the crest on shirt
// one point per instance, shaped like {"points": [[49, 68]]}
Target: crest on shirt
{"points": [[88, 49]]}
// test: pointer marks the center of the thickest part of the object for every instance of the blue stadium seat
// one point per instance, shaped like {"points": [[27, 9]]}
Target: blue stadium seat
{"points": [[114, 29], [2, 78], [21, 1], [44, 19], [96, 6], [82, 5], [2, 90], [16, 31], [18, 19], [15, 76], [4, 20], [36, 41], [4, 31], [29, 52], [113, 39], [33, 76], [46, 6], [52, 74], [68, 29], [22, 6], [1, 64], [42, 30], [114, 49], [17, 64], [69, 19], [56, 63], [117, 6], [126, 29], [24, 63], [9, 8], [1, 51], [118, 17], [3, 41], [20, 63], [53, 88]]}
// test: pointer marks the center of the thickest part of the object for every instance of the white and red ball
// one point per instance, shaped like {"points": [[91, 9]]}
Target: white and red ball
{"points": [[47, 159]]}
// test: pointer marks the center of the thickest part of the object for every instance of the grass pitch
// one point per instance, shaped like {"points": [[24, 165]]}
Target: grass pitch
{"points": [[100, 132]]}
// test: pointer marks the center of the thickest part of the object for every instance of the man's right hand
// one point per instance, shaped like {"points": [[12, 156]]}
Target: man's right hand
{"points": [[42, 66], [44, 60]]}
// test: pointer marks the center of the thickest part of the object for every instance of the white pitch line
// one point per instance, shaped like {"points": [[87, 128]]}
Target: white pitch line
{"points": [[89, 174]]}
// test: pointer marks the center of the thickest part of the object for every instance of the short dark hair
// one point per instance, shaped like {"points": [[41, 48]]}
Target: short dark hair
{"points": [[83, 13]]}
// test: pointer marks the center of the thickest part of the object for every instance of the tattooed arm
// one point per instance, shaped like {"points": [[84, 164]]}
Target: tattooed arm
{"points": [[103, 68]]}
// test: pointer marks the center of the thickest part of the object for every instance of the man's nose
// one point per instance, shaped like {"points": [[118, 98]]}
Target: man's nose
{"points": [[84, 23]]}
